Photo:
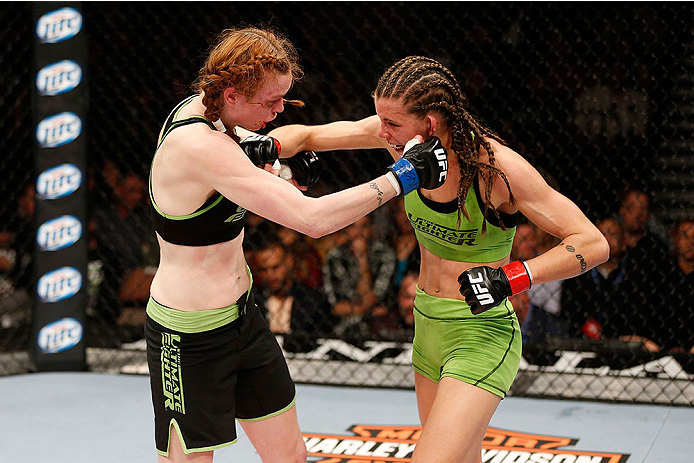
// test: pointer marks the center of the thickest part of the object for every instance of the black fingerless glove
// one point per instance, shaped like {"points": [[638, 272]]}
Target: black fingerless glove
{"points": [[261, 149], [485, 287], [423, 165], [306, 167]]}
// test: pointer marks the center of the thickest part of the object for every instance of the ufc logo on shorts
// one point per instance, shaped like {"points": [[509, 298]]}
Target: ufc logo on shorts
{"points": [[443, 162], [481, 291]]}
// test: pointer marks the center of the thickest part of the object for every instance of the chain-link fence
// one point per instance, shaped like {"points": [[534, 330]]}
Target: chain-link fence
{"points": [[597, 96]]}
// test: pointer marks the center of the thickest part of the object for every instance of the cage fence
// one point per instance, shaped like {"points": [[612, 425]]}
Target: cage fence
{"points": [[599, 98]]}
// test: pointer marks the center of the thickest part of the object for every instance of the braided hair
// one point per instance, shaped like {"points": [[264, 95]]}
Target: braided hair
{"points": [[426, 85], [241, 58]]}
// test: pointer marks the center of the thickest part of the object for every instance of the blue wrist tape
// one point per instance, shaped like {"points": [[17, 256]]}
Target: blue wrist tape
{"points": [[404, 170]]}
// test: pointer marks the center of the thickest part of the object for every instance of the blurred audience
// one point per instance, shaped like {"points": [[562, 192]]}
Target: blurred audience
{"points": [[126, 252], [404, 241], [308, 265], [356, 277], [609, 301], [256, 228], [524, 311], [545, 317], [395, 321], [644, 236], [293, 309], [16, 258], [682, 295]]}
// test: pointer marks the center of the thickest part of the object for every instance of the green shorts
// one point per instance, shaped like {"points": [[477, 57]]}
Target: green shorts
{"points": [[483, 350]]}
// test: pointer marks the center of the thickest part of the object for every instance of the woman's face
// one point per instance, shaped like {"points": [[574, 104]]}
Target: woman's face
{"points": [[614, 234], [684, 240], [254, 112], [397, 126]]}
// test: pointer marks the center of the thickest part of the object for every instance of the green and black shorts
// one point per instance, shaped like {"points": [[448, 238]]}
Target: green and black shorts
{"points": [[210, 368], [483, 350]]}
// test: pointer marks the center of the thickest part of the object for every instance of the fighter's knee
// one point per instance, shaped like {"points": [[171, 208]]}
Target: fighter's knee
{"points": [[300, 454]]}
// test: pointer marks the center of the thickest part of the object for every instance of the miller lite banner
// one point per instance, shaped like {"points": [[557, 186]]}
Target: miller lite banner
{"points": [[59, 101]]}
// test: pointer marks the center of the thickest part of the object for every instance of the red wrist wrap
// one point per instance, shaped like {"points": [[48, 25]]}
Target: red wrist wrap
{"points": [[517, 276], [278, 145]]}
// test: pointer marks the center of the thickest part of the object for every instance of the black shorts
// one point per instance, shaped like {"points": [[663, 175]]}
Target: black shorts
{"points": [[208, 379]]}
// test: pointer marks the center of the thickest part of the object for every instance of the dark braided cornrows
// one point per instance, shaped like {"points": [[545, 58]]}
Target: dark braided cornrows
{"points": [[425, 85], [241, 58]]}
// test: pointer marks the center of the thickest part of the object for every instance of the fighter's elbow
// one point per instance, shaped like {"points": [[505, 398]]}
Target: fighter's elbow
{"points": [[313, 223], [602, 248]]}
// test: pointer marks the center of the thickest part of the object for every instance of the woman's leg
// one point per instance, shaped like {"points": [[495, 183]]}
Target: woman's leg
{"points": [[455, 423], [177, 455], [426, 393], [277, 439]]}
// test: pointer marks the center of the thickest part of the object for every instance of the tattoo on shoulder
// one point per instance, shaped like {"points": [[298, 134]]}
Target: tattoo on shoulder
{"points": [[378, 192], [581, 259]]}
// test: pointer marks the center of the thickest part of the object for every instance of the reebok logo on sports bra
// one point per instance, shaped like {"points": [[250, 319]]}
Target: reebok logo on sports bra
{"points": [[240, 212]]}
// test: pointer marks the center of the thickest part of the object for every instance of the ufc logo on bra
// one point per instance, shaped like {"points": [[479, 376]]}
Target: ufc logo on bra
{"points": [[482, 292]]}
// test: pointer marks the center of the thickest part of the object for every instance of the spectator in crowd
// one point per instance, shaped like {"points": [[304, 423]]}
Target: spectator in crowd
{"points": [[128, 253], [356, 277], [299, 312], [395, 322], [131, 209], [404, 242], [609, 302], [524, 311], [308, 265], [16, 249], [646, 248], [643, 240], [682, 307], [544, 317], [255, 231]]}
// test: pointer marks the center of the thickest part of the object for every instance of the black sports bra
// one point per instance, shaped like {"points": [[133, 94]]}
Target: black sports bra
{"points": [[216, 221]]}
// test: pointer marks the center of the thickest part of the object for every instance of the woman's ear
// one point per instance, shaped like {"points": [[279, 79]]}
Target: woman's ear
{"points": [[431, 122], [230, 95]]}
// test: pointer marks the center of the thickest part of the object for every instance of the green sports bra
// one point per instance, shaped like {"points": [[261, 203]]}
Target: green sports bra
{"points": [[436, 227]]}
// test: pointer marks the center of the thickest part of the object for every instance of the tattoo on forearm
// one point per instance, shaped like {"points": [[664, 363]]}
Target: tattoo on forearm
{"points": [[378, 191], [580, 258]]}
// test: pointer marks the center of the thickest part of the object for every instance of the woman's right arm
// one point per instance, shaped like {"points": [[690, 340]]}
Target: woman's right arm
{"points": [[217, 162], [362, 134]]}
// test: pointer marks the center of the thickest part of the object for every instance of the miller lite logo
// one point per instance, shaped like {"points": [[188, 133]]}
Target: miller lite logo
{"points": [[58, 181], [59, 129], [59, 77], [59, 335], [59, 233], [59, 284], [58, 25]]}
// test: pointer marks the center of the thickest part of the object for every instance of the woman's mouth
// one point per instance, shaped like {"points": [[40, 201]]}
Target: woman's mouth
{"points": [[396, 147]]}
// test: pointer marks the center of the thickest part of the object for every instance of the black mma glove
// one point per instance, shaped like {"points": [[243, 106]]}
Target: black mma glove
{"points": [[305, 167], [486, 287], [422, 165], [261, 149]]}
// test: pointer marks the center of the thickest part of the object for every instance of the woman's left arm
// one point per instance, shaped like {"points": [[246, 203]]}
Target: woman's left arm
{"points": [[582, 245]]}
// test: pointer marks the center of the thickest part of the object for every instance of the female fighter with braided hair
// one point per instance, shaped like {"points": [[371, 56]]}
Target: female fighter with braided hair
{"points": [[211, 356], [467, 343]]}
